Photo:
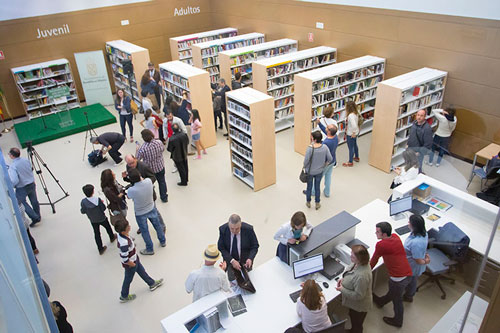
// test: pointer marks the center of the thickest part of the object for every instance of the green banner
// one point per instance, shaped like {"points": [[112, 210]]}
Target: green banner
{"points": [[58, 92]]}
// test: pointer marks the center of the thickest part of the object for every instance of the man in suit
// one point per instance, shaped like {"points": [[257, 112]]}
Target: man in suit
{"points": [[238, 245], [155, 76], [221, 90], [177, 146]]}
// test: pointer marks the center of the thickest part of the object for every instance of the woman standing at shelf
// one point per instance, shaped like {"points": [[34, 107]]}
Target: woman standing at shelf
{"points": [[353, 122], [317, 157], [122, 105], [195, 122], [356, 287], [408, 171], [312, 308], [149, 123], [447, 123]]}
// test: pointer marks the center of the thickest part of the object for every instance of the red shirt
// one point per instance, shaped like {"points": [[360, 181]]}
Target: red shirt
{"points": [[393, 252]]}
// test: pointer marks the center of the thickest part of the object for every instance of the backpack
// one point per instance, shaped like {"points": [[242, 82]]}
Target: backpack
{"points": [[95, 158]]}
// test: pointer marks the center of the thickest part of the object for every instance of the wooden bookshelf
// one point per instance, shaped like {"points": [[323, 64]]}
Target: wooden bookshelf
{"points": [[252, 152], [177, 77], [241, 59], [180, 47], [35, 81], [120, 50], [275, 76], [206, 55], [334, 85], [398, 100]]}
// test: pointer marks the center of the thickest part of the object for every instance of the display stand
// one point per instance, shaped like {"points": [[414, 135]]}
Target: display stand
{"points": [[398, 100], [333, 86], [205, 55], [178, 77], [180, 47], [33, 82], [252, 151], [240, 60], [275, 76]]}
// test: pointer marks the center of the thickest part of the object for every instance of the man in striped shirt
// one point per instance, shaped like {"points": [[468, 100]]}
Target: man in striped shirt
{"points": [[151, 153], [130, 261]]}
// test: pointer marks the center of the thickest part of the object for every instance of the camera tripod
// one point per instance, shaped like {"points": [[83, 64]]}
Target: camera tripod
{"points": [[36, 164], [88, 134]]}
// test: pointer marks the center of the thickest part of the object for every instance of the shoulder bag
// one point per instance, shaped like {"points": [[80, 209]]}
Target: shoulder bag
{"points": [[303, 174]]}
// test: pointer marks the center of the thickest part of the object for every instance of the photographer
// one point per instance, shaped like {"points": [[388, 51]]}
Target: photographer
{"points": [[111, 142]]}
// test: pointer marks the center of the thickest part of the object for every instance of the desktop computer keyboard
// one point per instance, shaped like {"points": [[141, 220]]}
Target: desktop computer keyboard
{"points": [[296, 294], [403, 230]]}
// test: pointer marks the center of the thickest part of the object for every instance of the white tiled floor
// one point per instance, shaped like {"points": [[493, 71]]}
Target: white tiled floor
{"points": [[89, 284]]}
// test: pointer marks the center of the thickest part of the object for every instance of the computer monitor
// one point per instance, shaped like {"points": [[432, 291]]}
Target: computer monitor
{"points": [[308, 265], [400, 205]]}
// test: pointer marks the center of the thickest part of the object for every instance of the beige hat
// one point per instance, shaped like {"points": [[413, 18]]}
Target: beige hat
{"points": [[211, 253]]}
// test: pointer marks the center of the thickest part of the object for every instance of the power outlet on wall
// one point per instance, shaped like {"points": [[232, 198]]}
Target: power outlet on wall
{"points": [[125, 22], [319, 25]]}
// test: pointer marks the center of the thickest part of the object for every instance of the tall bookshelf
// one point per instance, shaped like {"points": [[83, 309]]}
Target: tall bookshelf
{"points": [[334, 85], [34, 82], [240, 60], [275, 76], [206, 55], [178, 77], [180, 47], [252, 151], [119, 51], [398, 100]]}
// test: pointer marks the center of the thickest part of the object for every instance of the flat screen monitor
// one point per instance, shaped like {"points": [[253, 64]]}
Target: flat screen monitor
{"points": [[400, 205], [309, 265]]}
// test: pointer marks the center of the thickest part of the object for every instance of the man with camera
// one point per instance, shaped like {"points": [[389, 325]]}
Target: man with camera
{"points": [[111, 142]]}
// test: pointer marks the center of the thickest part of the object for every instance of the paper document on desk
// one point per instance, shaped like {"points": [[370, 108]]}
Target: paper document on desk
{"points": [[472, 324]]}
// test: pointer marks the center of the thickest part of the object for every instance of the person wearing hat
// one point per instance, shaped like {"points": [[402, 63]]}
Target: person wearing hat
{"points": [[111, 142], [208, 278]]}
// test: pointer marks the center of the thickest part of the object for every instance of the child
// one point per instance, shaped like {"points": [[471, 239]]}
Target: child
{"points": [[195, 122], [130, 261], [150, 122], [95, 208]]}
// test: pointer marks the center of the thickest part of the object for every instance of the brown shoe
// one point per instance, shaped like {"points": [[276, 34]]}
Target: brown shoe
{"points": [[318, 205], [101, 251], [356, 159], [308, 204], [347, 164], [35, 251]]}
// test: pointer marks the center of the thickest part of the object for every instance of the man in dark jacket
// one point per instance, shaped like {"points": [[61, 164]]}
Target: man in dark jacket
{"points": [[111, 142], [221, 91], [238, 245], [420, 137], [236, 83], [177, 146]]}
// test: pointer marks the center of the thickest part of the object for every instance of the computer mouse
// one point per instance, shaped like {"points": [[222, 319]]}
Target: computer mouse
{"points": [[326, 285]]}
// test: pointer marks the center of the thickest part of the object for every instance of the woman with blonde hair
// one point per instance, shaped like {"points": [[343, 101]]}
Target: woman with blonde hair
{"points": [[312, 308], [353, 120]]}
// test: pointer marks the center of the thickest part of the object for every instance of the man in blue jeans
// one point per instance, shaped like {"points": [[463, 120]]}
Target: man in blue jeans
{"points": [[332, 142], [141, 193], [22, 178]]}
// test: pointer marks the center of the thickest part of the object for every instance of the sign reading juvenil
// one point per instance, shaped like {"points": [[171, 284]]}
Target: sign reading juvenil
{"points": [[64, 30]]}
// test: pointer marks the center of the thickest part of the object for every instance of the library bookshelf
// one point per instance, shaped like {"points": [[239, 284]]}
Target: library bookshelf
{"points": [[119, 51], [178, 77], [398, 100], [206, 55], [241, 59], [180, 47], [334, 85], [35, 81], [275, 77], [252, 150]]}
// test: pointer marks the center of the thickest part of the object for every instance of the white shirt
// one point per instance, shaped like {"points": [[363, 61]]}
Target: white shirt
{"points": [[238, 244], [406, 175], [315, 320], [146, 104], [445, 127], [206, 280], [352, 124], [326, 122], [285, 232]]}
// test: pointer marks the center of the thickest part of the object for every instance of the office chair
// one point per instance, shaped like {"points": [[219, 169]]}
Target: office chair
{"points": [[485, 174], [449, 249], [337, 327]]}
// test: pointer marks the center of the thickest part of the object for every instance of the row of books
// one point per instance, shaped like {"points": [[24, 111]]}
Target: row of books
{"points": [[243, 69], [420, 103], [405, 121], [248, 167], [339, 105], [177, 79], [42, 73], [214, 50], [239, 108], [214, 78], [282, 92], [240, 172], [279, 81], [347, 90], [184, 54], [240, 136], [210, 61], [187, 43], [117, 54], [124, 80], [239, 122], [275, 51], [345, 78], [242, 150], [44, 83], [283, 113], [176, 90], [298, 65], [421, 89], [283, 102], [242, 59]]}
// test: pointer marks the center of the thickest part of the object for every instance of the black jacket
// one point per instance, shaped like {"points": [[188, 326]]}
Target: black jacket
{"points": [[110, 138], [249, 242], [222, 93], [177, 146], [94, 213]]}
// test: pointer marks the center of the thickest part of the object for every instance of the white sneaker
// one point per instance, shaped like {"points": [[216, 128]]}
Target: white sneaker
{"points": [[428, 163], [437, 165], [175, 170]]}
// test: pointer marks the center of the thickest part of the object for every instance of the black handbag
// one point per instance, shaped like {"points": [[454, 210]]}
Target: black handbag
{"points": [[303, 174]]}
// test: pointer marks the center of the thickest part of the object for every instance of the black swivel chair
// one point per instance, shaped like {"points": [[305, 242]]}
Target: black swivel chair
{"points": [[337, 327], [449, 248]]}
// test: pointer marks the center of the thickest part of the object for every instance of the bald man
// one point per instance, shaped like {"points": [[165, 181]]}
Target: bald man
{"points": [[420, 137]]}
